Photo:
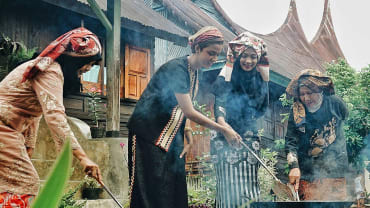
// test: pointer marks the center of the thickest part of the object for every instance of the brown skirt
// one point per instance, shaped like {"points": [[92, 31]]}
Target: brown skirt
{"points": [[325, 189]]}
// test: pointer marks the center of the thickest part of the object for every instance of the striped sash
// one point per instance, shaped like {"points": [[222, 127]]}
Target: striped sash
{"points": [[169, 131]]}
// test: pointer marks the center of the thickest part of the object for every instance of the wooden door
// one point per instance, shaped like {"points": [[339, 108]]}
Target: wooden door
{"points": [[137, 71]]}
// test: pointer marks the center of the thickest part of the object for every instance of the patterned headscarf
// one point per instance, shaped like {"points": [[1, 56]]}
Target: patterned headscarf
{"points": [[238, 46], [79, 42], [313, 79], [207, 33]]}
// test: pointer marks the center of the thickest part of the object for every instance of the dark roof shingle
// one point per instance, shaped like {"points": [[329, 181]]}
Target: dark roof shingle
{"points": [[135, 15]]}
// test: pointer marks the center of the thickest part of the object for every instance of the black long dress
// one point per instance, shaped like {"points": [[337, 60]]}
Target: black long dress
{"points": [[241, 101], [156, 130], [325, 125]]}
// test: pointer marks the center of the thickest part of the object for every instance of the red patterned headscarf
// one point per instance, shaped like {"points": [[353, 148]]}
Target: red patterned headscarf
{"points": [[207, 33], [238, 46], [79, 42]]}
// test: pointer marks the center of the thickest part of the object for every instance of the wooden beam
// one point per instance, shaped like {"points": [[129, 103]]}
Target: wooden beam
{"points": [[113, 68], [99, 13]]}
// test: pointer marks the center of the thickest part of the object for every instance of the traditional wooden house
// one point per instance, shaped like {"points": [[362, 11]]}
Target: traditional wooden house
{"points": [[37, 23], [155, 31]]}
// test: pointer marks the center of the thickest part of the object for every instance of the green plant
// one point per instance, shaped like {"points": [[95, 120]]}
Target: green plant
{"points": [[96, 105], [11, 54], [279, 144], [91, 188], [353, 87], [122, 145], [266, 181], [68, 200], [51, 194], [206, 194], [89, 182], [286, 102], [199, 130]]}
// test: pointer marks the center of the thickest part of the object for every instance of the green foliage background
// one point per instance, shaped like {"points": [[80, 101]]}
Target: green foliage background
{"points": [[353, 87], [11, 54]]}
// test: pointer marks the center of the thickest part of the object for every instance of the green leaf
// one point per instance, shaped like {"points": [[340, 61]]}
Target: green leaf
{"points": [[52, 192]]}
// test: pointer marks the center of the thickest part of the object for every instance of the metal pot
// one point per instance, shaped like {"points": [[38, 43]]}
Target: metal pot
{"points": [[303, 204]]}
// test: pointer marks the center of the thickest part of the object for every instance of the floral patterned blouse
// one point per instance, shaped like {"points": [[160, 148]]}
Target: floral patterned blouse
{"points": [[21, 107]]}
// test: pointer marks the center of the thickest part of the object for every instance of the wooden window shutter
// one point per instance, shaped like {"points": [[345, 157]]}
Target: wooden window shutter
{"points": [[137, 71]]}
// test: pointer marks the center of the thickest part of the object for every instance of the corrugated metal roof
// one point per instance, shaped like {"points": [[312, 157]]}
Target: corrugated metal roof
{"points": [[165, 51], [209, 9], [135, 16], [194, 17]]}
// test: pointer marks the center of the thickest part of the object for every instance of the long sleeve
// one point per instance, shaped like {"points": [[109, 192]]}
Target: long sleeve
{"points": [[220, 90], [291, 143], [48, 86], [340, 108], [30, 133]]}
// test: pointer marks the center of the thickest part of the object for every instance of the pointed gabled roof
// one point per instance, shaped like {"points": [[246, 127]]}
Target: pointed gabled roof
{"points": [[325, 42], [288, 49]]}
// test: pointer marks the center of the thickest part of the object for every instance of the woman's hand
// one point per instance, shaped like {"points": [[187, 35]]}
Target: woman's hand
{"points": [[231, 136], [187, 148], [91, 169], [189, 138], [29, 151], [221, 120], [294, 176]]}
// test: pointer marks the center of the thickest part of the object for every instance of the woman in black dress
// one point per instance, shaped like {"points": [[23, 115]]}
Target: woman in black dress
{"points": [[156, 127], [241, 97], [315, 141]]}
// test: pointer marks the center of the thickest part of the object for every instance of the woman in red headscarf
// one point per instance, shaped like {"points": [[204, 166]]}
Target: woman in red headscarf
{"points": [[33, 89], [156, 127]]}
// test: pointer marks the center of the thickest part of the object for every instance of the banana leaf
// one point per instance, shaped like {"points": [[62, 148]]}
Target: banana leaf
{"points": [[52, 192]]}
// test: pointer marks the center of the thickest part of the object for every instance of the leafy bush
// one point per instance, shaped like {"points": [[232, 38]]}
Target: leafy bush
{"points": [[96, 105], [68, 200], [353, 88], [266, 181], [11, 54], [199, 130], [204, 196]]}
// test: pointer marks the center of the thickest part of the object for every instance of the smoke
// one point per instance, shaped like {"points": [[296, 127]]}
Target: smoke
{"points": [[365, 153]]}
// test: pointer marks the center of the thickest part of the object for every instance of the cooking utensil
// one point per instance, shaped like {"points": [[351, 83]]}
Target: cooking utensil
{"points": [[110, 194], [303, 204], [281, 190]]}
